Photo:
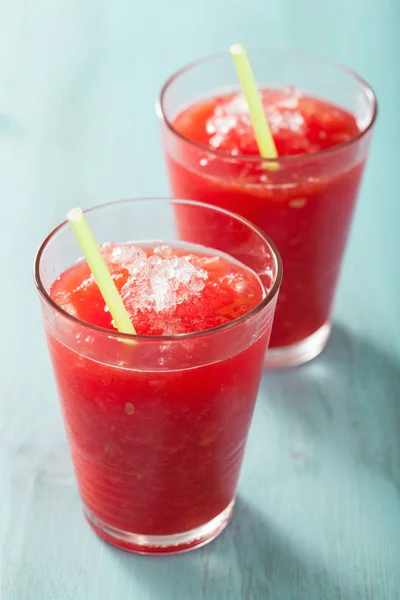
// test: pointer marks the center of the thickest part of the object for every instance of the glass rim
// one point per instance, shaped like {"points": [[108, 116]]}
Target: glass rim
{"points": [[369, 92], [269, 297]]}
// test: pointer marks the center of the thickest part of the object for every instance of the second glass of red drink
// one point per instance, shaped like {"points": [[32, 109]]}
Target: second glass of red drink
{"points": [[321, 116]]}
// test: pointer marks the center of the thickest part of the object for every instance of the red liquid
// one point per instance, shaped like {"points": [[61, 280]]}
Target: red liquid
{"points": [[223, 291], [158, 452], [306, 206]]}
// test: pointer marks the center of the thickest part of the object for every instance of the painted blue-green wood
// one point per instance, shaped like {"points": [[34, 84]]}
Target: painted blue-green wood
{"points": [[318, 515]]}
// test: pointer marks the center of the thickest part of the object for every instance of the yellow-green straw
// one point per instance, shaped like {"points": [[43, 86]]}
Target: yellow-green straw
{"points": [[100, 272], [262, 132]]}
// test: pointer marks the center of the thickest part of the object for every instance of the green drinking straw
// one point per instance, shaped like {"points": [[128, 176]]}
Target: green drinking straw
{"points": [[101, 274], [262, 132]]}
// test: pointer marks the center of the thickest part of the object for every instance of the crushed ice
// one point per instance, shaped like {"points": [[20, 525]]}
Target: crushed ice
{"points": [[122, 254], [280, 107], [158, 282]]}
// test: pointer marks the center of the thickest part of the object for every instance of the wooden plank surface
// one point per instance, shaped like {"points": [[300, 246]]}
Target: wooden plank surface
{"points": [[318, 514]]}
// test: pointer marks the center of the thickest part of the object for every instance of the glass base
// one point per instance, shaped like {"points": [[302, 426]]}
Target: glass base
{"points": [[161, 544], [300, 353]]}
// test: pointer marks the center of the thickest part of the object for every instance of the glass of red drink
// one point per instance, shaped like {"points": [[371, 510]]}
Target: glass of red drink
{"points": [[157, 423], [321, 116]]}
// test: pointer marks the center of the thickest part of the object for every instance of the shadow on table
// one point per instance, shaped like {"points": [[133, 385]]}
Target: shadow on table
{"points": [[250, 560], [320, 513], [346, 401]]}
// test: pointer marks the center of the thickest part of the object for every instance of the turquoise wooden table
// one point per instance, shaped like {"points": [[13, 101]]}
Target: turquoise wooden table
{"points": [[318, 515]]}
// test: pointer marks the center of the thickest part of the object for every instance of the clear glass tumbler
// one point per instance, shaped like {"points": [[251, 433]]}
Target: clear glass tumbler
{"points": [[157, 429], [306, 206]]}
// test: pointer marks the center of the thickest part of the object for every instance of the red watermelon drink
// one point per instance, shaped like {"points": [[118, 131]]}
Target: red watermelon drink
{"points": [[157, 422], [321, 118]]}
